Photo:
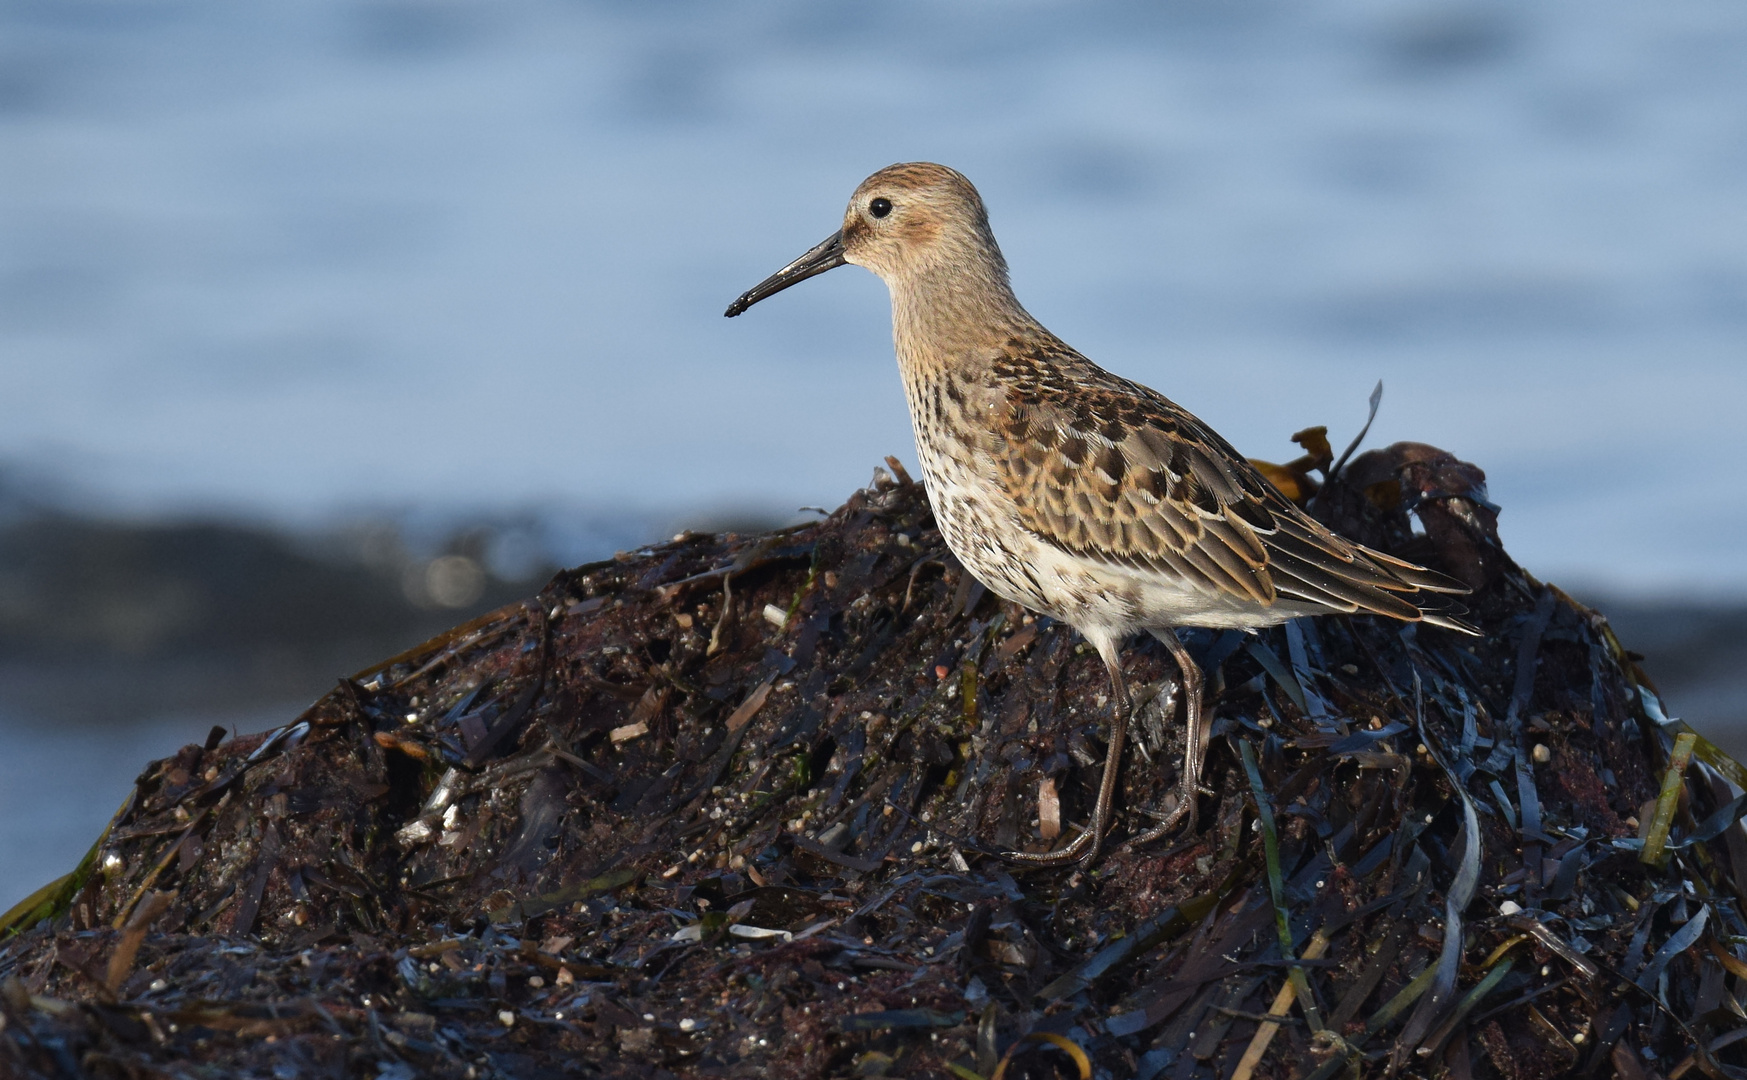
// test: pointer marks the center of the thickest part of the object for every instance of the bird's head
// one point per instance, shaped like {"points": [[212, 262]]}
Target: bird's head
{"points": [[903, 223]]}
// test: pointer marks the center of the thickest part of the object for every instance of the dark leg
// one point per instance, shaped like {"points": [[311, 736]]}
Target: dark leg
{"points": [[1085, 846], [1189, 784]]}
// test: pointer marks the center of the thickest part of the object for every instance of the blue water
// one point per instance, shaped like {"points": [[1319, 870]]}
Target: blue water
{"points": [[302, 260], [297, 259]]}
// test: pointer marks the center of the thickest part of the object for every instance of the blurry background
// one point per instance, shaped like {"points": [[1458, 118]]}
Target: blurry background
{"points": [[326, 324]]}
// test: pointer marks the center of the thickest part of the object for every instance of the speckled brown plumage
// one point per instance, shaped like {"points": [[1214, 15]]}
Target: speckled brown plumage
{"points": [[1078, 493], [1111, 471]]}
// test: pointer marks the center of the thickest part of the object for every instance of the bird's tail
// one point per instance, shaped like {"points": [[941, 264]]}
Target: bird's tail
{"points": [[1429, 591]]}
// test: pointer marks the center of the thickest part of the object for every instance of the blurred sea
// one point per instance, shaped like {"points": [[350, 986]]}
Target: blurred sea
{"points": [[302, 263]]}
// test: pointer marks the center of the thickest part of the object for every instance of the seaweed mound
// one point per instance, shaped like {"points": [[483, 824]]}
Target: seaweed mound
{"points": [[730, 806]]}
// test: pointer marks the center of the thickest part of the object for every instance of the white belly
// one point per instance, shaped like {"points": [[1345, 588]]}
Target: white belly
{"points": [[1097, 598]]}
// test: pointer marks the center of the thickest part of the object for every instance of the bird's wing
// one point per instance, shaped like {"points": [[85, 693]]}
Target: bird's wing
{"points": [[1111, 471]]}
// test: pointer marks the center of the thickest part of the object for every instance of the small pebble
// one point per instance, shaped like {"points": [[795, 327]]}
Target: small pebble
{"points": [[506, 1018], [536, 981], [1541, 754]]}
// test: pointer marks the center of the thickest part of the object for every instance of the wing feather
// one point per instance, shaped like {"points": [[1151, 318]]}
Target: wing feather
{"points": [[1111, 471]]}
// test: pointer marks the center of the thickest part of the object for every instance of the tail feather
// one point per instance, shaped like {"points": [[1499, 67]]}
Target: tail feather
{"points": [[1417, 576], [1313, 564]]}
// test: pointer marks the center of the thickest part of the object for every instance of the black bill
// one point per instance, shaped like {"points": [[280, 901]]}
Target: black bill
{"points": [[825, 256]]}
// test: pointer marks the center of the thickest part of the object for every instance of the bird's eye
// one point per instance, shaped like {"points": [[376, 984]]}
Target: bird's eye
{"points": [[880, 207]]}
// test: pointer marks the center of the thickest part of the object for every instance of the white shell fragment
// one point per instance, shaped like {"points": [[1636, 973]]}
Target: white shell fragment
{"points": [[1049, 809], [414, 833], [759, 933], [628, 732]]}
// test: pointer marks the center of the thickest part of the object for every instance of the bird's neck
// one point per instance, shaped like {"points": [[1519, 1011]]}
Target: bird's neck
{"points": [[954, 321]]}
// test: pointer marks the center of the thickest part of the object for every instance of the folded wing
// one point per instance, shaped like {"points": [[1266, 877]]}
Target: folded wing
{"points": [[1117, 473]]}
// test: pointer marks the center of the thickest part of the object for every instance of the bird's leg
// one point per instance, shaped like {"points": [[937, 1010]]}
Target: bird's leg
{"points": [[1085, 846], [1189, 787]]}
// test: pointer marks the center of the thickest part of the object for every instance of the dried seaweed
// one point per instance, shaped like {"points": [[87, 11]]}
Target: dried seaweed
{"points": [[730, 806]]}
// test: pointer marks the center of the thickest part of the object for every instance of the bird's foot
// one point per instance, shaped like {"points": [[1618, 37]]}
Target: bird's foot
{"points": [[1177, 815], [1084, 849]]}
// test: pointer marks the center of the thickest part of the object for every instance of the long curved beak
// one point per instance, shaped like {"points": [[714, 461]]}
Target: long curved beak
{"points": [[827, 255]]}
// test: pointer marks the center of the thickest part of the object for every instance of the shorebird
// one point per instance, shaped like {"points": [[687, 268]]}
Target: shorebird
{"points": [[1075, 492]]}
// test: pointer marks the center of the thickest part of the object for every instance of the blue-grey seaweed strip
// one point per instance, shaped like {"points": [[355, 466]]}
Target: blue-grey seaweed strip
{"points": [[1456, 898]]}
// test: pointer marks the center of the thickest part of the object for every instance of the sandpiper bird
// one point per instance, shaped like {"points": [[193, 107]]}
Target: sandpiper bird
{"points": [[1075, 492]]}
